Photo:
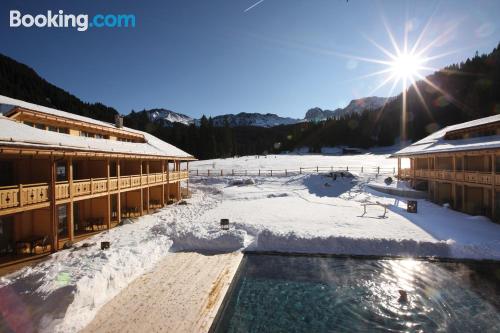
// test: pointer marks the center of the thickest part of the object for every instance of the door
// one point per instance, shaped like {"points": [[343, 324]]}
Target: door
{"points": [[6, 173], [6, 235]]}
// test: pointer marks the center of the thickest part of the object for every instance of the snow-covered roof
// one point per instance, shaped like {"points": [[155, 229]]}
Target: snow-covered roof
{"points": [[436, 143], [13, 133]]}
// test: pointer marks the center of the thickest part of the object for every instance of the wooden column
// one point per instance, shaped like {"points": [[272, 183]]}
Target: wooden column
{"points": [[463, 198], [453, 184], [52, 207], [162, 200], [187, 181], [142, 194], [412, 171], [118, 194], [178, 164], [108, 197], [493, 191], [147, 189], [71, 221], [168, 182]]}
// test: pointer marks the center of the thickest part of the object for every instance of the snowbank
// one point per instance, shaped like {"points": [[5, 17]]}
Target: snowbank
{"points": [[292, 242], [66, 291], [214, 241]]}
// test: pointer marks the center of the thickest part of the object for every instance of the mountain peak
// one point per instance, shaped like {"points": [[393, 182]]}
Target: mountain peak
{"points": [[168, 116]]}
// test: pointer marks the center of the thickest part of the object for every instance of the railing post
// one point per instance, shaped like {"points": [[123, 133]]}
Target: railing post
{"points": [[53, 210], [91, 186], [21, 200]]}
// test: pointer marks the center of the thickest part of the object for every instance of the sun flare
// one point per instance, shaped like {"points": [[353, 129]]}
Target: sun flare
{"points": [[406, 66]]}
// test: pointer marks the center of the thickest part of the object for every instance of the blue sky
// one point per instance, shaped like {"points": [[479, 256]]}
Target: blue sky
{"points": [[211, 57]]}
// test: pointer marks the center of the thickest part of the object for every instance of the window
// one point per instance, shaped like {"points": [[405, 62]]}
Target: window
{"points": [[63, 130], [41, 126], [29, 123], [62, 220], [53, 129], [61, 172], [86, 134], [99, 136]]}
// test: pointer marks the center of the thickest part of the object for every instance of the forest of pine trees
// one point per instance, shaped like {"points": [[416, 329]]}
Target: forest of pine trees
{"points": [[466, 91]]}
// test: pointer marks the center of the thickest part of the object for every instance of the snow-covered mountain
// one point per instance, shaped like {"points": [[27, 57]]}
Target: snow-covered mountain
{"points": [[359, 105], [355, 106], [253, 119], [168, 117], [318, 114]]}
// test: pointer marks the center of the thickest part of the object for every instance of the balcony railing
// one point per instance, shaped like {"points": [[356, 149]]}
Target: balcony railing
{"points": [[12, 197], [474, 177]]}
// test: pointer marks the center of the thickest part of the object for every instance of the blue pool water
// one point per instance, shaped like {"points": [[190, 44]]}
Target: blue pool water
{"points": [[275, 293]]}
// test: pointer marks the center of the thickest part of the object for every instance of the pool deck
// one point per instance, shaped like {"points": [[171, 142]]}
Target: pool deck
{"points": [[182, 294]]}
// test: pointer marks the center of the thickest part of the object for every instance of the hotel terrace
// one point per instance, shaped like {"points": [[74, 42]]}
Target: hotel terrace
{"points": [[458, 165], [64, 177]]}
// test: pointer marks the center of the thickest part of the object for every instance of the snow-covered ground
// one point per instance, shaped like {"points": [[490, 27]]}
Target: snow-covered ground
{"points": [[313, 213], [368, 161]]}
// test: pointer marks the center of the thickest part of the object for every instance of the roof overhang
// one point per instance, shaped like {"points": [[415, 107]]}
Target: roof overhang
{"points": [[34, 150]]}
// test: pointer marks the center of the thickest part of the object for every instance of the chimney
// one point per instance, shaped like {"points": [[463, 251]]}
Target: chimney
{"points": [[118, 121]]}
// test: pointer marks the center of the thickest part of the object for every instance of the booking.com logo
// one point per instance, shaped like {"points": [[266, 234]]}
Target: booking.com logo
{"points": [[61, 20]]}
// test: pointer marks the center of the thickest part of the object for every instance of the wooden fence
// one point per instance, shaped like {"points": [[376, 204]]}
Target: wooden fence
{"points": [[290, 172]]}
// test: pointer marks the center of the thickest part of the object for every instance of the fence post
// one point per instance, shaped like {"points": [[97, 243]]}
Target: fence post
{"points": [[300, 170], [232, 172], [361, 169], [259, 172], [317, 169], [245, 172], [378, 170], [271, 173], [393, 170], [347, 168], [286, 173], [331, 169], [221, 172], [208, 173], [197, 172]]}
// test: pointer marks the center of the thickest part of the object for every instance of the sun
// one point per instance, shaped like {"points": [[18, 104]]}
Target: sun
{"points": [[406, 66]]}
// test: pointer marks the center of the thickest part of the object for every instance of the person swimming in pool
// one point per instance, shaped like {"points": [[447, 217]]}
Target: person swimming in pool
{"points": [[403, 296]]}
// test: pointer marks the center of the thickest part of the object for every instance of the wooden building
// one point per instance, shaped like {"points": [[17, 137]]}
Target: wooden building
{"points": [[458, 165], [64, 177]]}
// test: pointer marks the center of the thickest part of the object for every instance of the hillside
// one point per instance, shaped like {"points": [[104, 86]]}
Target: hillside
{"points": [[22, 82]]}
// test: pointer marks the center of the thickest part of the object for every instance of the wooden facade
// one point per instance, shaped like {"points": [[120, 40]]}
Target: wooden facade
{"points": [[467, 179], [53, 195]]}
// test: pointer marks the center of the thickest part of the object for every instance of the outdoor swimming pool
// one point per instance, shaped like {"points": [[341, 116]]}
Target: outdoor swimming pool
{"points": [[274, 293]]}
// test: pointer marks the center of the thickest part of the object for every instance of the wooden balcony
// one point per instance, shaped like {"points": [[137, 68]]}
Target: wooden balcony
{"points": [[473, 177], [17, 198]]}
